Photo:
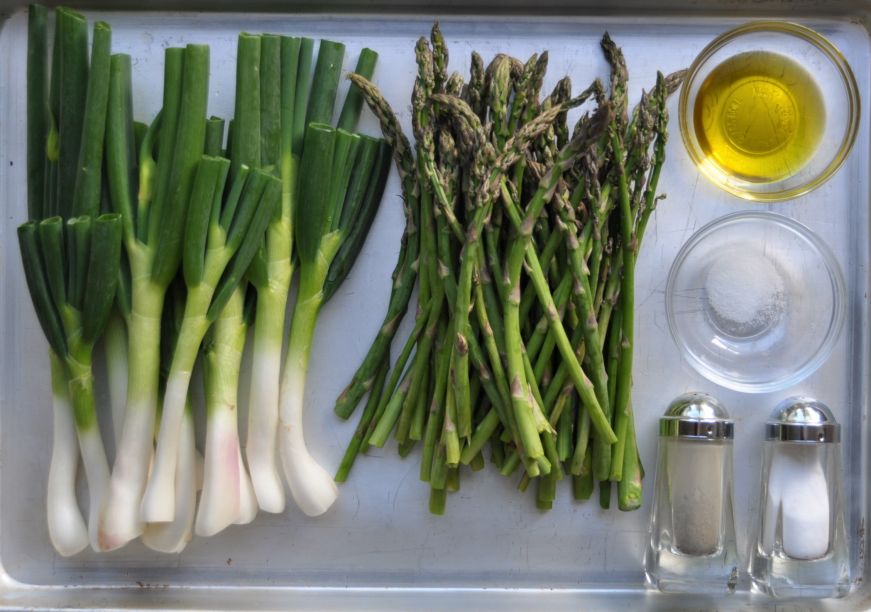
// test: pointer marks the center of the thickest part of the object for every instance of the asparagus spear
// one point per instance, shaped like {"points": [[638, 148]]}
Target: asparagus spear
{"points": [[520, 267]]}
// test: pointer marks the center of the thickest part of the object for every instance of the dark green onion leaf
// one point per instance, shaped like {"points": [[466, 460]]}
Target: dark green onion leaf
{"points": [[50, 237], [354, 98], [102, 280], [361, 204], [303, 88], [188, 151], [89, 176], [78, 256], [37, 109], [313, 214], [37, 285], [206, 193], [251, 238]]}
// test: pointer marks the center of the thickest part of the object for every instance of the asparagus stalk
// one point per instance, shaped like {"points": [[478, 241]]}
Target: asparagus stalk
{"points": [[518, 222]]}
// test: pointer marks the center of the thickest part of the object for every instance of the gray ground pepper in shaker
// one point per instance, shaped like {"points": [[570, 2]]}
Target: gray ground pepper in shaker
{"points": [[691, 543], [800, 547]]}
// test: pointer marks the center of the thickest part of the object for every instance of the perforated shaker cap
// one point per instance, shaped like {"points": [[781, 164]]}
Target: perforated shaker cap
{"points": [[697, 416], [802, 419]]}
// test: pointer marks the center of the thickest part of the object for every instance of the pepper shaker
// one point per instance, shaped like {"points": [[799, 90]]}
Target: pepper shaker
{"points": [[691, 544], [801, 545]]}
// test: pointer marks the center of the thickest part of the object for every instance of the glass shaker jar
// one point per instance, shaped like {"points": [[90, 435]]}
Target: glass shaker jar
{"points": [[691, 545], [800, 548]]}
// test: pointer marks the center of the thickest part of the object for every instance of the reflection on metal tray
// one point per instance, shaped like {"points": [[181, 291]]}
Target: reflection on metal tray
{"points": [[380, 547]]}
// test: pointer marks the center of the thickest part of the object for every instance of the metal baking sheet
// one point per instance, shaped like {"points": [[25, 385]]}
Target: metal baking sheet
{"points": [[379, 547]]}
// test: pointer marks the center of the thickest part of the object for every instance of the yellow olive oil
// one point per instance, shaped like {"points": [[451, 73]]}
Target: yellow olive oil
{"points": [[759, 116]]}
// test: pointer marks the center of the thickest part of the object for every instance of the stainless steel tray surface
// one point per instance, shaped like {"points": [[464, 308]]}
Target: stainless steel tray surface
{"points": [[379, 547]]}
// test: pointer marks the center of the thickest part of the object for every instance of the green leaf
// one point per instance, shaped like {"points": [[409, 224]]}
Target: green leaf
{"points": [[328, 71], [37, 285], [214, 137], [102, 279], [188, 151], [361, 204], [228, 211], [72, 92], [89, 176], [151, 218], [270, 100], [120, 142], [344, 161], [313, 214], [50, 237], [252, 237], [354, 99], [78, 256], [246, 119], [205, 200], [303, 88], [37, 109]]}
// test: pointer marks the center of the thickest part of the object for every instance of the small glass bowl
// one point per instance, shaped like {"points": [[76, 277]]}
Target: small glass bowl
{"points": [[832, 75], [755, 301]]}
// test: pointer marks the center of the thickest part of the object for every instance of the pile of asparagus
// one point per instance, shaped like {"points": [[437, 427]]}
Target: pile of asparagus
{"points": [[175, 243], [522, 233]]}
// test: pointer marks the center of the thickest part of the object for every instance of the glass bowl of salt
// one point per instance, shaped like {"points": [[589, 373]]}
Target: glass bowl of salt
{"points": [[755, 301]]}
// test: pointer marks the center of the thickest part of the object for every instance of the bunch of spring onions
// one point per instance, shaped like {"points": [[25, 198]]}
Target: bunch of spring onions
{"points": [[176, 245], [70, 254], [331, 185], [522, 235]]}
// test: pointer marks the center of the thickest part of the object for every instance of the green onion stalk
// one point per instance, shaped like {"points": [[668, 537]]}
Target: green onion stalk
{"points": [[65, 126], [276, 121], [153, 205], [340, 190], [227, 497], [66, 527], [71, 271], [222, 235], [172, 536]]}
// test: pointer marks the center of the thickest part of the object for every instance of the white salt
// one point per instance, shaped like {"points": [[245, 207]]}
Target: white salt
{"points": [[745, 292], [696, 485], [798, 502]]}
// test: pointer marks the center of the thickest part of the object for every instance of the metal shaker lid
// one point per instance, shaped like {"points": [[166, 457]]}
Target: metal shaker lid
{"points": [[802, 419], [696, 416]]}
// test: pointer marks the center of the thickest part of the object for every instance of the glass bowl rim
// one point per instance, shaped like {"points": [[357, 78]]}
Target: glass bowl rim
{"points": [[839, 306], [848, 81]]}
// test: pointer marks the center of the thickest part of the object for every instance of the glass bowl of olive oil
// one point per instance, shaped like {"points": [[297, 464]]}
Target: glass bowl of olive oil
{"points": [[769, 110]]}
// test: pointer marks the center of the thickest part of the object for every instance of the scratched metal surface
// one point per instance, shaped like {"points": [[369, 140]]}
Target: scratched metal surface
{"points": [[380, 540]]}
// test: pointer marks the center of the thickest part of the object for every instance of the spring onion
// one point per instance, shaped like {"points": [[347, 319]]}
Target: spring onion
{"points": [[153, 229], [71, 271]]}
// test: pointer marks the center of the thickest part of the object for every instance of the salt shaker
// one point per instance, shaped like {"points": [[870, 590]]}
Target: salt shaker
{"points": [[800, 547], [691, 543]]}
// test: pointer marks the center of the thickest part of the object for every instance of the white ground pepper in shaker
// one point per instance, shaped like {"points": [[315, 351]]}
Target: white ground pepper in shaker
{"points": [[801, 545], [691, 543]]}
